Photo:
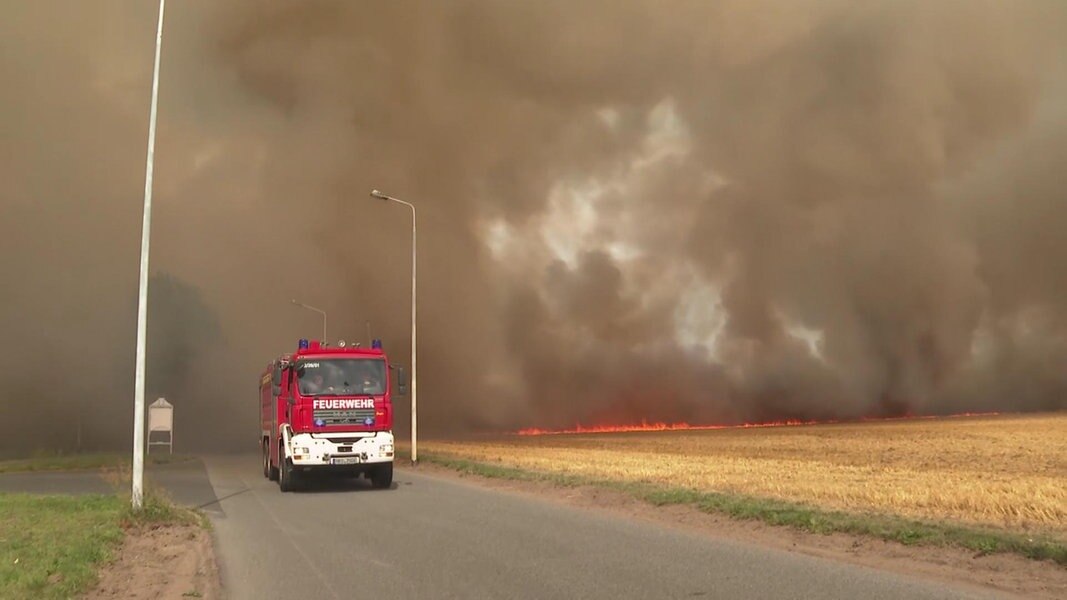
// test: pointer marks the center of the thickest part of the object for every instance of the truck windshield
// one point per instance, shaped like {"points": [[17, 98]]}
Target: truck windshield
{"points": [[341, 377]]}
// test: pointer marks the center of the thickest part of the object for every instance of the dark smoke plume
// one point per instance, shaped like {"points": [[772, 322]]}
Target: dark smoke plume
{"points": [[627, 210]]}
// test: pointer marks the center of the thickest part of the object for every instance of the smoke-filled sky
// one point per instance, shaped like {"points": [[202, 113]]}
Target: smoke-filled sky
{"points": [[662, 210]]}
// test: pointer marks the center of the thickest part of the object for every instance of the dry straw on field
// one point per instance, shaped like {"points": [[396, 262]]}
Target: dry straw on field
{"points": [[1001, 471]]}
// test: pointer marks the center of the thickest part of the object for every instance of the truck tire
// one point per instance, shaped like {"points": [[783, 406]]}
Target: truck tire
{"points": [[286, 475], [270, 472], [382, 476]]}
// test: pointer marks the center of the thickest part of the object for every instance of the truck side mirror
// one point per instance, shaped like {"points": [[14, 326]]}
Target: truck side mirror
{"points": [[276, 381], [402, 381]]}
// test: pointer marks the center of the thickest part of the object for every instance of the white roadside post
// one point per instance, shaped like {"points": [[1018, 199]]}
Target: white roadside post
{"points": [[414, 404], [137, 495], [161, 420]]}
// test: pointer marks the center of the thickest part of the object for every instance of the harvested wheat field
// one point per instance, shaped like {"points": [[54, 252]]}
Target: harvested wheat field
{"points": [[1003, 471]]}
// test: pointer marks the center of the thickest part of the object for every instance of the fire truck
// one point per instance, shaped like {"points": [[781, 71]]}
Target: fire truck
{"points": [[328, 409]]}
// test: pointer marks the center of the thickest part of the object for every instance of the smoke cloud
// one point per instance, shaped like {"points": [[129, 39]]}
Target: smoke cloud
{"points": [[680, 211]]}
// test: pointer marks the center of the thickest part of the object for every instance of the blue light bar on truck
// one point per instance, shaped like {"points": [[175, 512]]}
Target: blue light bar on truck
{"points": [[376, 344], [303, 344]]}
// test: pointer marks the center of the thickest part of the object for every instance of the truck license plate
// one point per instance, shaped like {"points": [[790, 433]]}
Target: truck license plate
{"points": [[351, 460]]}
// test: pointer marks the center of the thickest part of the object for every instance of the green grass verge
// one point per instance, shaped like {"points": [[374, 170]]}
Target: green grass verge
{"points": [[83, 462], [52, 546], [799, 516]]}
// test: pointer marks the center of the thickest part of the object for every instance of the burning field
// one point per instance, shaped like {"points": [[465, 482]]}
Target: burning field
{"points": [[1001, 471]]}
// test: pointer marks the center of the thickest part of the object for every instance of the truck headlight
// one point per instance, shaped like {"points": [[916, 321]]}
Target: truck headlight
{"points": [[386, 448]]}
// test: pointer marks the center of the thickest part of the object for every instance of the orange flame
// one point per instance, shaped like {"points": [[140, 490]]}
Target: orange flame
{"points": [[646, 426]]}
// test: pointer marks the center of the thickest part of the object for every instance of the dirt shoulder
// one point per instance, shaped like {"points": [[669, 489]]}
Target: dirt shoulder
{"points": [[165, 562], [1007, 573]]}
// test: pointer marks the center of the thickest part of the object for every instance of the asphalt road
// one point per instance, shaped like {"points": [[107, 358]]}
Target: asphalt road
{"points": [[433, 537], [185, 483]]}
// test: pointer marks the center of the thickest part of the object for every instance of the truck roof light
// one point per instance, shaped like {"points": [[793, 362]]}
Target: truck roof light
{"points": [[376, 344], [303, 344]]}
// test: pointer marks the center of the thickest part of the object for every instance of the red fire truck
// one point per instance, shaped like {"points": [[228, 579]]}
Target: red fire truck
{"points": [[328, 409]]}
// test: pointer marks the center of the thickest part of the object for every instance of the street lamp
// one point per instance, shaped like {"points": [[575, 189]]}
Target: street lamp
{"points": [[137, 479], [318, 310], [414, 405]]}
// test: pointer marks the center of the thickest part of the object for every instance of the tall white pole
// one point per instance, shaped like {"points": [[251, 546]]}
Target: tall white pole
{"points": [[142, 292], [414, 371]]}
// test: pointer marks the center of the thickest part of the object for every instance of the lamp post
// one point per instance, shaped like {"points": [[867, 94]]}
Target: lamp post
{"points": [[137, 479], [414, 403], [318, 310]]}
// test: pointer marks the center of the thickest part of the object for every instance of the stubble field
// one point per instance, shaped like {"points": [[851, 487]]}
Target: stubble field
{"points": [[1003, 471]]}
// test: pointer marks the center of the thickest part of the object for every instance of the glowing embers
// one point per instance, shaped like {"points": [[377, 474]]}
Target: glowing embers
{"points": [[645, 426]]}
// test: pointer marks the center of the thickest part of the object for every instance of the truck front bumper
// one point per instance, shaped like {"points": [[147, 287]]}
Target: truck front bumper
{"points": [[341, 450]]}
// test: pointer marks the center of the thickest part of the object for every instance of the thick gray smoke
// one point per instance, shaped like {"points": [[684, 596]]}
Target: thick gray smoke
{"points": [[627, 210]]}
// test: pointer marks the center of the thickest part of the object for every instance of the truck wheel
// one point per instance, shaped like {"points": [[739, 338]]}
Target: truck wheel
{"points": [[270, 472], [382, 476], [286, 476]]}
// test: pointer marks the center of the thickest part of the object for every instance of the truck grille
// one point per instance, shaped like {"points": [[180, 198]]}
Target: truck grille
{"points": [[356, 416]]}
